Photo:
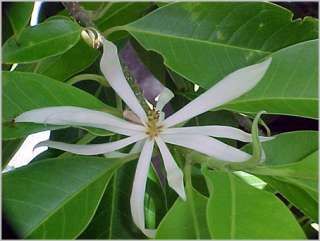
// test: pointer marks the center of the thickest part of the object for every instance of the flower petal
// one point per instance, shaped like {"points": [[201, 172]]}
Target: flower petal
{"points": [[165, 96], [207, 145], [139, 187], [174, 174], [216, 131], [92, 149], [231, 87], [111, 68], [77, 116], [137, 147]]}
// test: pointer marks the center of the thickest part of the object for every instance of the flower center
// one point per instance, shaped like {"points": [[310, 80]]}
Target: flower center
{"points": [[153, 129]]}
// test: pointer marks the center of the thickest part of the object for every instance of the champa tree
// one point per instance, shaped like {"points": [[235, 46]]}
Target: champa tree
{"points": [[246, 58]]}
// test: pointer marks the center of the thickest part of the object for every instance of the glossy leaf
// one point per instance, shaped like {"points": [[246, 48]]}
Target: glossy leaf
{"points": [[289, 86], [9, 148], [291, 167], [19, 15], [120, 13], [224, 36], [7, 30], [26, 91], [296, 195], [113, 217], [237, 210], [41, 41], [178, 224], [289, 147], [55, 198], [64, 66]]}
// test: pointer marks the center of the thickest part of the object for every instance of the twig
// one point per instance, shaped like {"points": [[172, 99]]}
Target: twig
{"points": [[78, 13]]}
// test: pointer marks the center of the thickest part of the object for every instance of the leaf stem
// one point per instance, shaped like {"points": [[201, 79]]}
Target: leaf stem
{"points": [[98, 78]]}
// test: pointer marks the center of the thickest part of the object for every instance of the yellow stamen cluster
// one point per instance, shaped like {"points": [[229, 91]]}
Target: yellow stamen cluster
{"points": [[153, 129]]}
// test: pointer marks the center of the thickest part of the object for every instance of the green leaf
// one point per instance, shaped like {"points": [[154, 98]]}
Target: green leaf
{"points": [[292, 158], [41, 41], [55, 198], [296, 195], [289, 86], [293, 96], [177, 224], [303, 174], [9, 148], [237, 210], [289, 147], [224, 36], [26, 91], [19, 15], [64, 66], [113, 217], [6, 27], [120, 13], [291, 167]]}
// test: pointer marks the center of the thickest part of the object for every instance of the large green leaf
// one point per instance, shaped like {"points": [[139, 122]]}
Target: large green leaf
{"points": [[19, 15], [292, 158], [55, 198], [303, 174], [289, 86], [289, 147], [296, 195], [224, 36], [120, 13], [41, 41], [63, 66], [113, 217], [9, 148], [25, 91], [178, 224], [237, 210]]}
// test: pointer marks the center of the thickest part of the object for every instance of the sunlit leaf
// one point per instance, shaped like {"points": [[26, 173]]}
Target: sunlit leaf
{"points": [[55, 198], [41, 41], [237, 210]]}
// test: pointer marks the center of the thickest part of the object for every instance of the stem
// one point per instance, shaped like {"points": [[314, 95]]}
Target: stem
{"points": [[111, 30], [78, 13], [98, 78], [190, 198], [257, 150]]}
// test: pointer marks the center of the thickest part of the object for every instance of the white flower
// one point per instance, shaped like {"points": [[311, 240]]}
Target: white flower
{"points": [[154, 128]]}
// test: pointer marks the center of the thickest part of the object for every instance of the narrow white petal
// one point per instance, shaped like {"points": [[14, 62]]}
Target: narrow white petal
{"points": [[111, 68], [92, 149], [137, 147], [77, 116], [229, 88], [165, 96], [216, 131], [139, 187], [207, 145], [174, 174]]}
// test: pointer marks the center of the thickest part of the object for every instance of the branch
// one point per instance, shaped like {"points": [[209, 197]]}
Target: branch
{"points": [[78, 13]]}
